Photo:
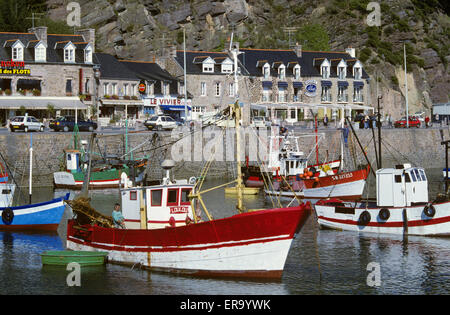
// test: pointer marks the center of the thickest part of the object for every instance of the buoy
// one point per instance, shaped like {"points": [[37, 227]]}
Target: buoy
{"points": [[316, 179]]}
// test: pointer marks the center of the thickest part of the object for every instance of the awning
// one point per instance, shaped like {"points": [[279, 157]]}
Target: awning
{"points": [[267, 84], [342, 83], [39, 102], [174, 107], [258, 107], [326, 83], [282, 84], [298, 85], [358, 83]]}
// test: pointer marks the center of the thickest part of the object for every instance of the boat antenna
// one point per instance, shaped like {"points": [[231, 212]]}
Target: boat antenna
{"points": [[379, 131]]}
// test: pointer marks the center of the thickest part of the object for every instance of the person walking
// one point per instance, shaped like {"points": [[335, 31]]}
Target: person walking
{"points": [[427, 121], [325, 121]]}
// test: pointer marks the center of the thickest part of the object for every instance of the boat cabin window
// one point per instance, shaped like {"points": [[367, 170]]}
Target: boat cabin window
{"points": [[156, 197], [6, 191], [398, 178], [422, 173], [133, 195], [416, 171], [172, 197], [413, 176], [184, 196]]}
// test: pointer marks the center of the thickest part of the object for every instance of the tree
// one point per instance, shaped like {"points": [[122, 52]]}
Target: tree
{"points": [[313, 36]]}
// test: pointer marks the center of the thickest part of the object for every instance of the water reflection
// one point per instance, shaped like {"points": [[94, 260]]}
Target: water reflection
{"points": [[320, 261]]}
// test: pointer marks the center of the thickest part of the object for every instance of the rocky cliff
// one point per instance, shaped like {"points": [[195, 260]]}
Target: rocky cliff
{"points": [[143, 28]]}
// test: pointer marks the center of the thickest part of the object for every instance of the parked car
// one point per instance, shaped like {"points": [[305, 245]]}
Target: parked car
{"points": [[25, 123], [260, 122], [67, 123], [160, 123], [420, 115], [413, 122]]}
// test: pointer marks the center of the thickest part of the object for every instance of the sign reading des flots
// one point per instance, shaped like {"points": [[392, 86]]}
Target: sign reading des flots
{"points": [[311, 88]]}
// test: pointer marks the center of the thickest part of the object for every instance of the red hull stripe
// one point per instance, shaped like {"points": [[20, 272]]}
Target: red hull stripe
{"points": [[391, 224], [98, 180], [176, 249]]}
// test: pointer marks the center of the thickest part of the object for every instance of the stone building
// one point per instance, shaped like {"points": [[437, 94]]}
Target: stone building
{"points": [[286, 85], [43, 72], [136, 90]]}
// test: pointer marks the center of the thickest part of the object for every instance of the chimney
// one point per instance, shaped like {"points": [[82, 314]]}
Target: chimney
{"points": [[88, 36], [298, 49], [351, 51], [40, 32], [173, 51]]}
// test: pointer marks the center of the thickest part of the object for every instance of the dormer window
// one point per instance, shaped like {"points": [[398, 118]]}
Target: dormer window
{"points": [[69, 54], [325, 69], [207, 64], [266, 71], [297, 72], [88, 54], [227, 66], [40, 52], [357, 73], [341, 72], [282, 72], [17, 51]]}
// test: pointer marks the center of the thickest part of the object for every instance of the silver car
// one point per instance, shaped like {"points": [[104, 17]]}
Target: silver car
{"points": [[25, 123]]}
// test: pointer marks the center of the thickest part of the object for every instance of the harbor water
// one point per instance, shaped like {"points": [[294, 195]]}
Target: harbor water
{"points": [[319, 262]]}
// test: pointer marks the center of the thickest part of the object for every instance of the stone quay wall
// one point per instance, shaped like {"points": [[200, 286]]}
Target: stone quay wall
{"points": [[420, 147]]}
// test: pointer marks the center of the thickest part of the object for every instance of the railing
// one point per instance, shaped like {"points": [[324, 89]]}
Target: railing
{"points": [[342, 98], [358, 98], [326, 98]]}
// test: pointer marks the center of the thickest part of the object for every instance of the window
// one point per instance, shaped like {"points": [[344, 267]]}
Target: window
{"points": [[88, 55], [217, 88], [133, 195], [357, 73], [202, 88], [227, 68], [125, 89], [267, 94], [325, 72], [296, 73], [281, 73], [185, 196], [357, 94], [281, 94], [165, 88], [231, 89], [86, 86], [69, 86], [156, 197], [342, 94], [181, 88], [326, 94], [105, 88], [69, 55], [172, 197], [208, 67], [17, 53], [266, 71], [40, 53], [133, 89], [114, 89], [341, 73]]}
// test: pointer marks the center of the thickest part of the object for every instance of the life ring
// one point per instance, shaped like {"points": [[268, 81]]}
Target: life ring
{"points": [[384, 214], [7, 216], [192, 180], [364, 218], [429, 210]]}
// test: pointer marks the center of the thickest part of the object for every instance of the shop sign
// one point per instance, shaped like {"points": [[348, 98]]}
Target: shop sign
{"points": [[311, 88], [14, 68], [142, 87], [154, 101]]}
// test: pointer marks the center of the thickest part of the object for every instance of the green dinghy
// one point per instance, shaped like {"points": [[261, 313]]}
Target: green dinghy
{"points": [[64, 257]]}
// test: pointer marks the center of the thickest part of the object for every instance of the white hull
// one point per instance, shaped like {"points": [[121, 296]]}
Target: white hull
{"points": [[268, 254], [6, 194], [416, 222], [342, 190]]}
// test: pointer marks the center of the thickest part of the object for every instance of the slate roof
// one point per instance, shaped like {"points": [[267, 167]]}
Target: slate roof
{"points": [[194, 60], [111, 68], [309, 62], [29, 40], [148, 71]]}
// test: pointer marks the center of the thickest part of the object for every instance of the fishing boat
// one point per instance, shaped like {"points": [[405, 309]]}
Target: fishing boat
{"points": [[165, 232], [43, 216], [7, 188], [402, 206], [64, 257]]}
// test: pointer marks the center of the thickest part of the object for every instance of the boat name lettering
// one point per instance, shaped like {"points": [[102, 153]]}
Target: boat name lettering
{"points": [[341, 176], [179, 209]]}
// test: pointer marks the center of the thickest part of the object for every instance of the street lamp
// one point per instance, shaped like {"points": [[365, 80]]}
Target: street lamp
{"points": [[96, 102]]}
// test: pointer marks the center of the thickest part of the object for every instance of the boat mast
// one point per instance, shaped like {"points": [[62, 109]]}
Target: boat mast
{"points": [[406, 87], [237, 117]]}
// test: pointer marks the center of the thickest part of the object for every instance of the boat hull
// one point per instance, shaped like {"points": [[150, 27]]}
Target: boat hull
{"points": [[402, 220], [44, 216], [253, 244], [99, 180]]}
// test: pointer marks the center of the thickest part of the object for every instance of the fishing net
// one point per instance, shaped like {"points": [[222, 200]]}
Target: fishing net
{"points": [[86, 214]]}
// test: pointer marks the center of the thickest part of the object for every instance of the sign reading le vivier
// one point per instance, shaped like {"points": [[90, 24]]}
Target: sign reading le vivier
{"points": [[14, 68]]}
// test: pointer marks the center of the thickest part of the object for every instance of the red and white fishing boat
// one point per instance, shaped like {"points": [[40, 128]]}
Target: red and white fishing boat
{"points": [[164, 233], [402, 206]]}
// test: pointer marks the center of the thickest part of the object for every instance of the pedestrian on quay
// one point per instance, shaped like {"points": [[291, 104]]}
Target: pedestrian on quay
{"points": [[345, 133], [427, 121], [390, 121], [119, 220], [366, 122], [325, 121]]}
